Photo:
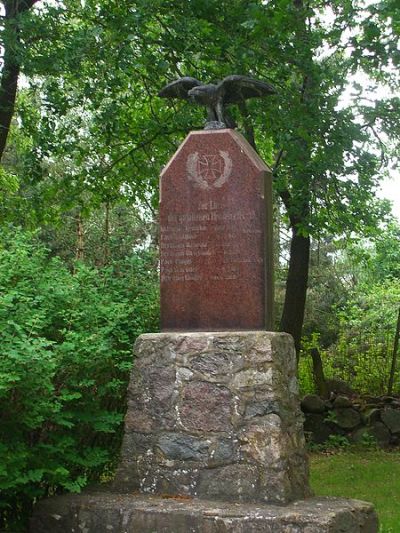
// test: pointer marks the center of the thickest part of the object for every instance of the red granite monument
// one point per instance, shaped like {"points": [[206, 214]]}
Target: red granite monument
{"points": [[215, 236]]}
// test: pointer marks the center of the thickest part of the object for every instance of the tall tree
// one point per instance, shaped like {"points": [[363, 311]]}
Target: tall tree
{"points": [[102, 131], [11, 68]]}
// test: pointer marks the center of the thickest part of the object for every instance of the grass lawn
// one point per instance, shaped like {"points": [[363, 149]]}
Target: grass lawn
{"points": [[361, 474]]}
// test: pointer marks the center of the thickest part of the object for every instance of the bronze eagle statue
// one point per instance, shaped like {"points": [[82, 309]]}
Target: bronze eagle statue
{"points": [[231, 90]]}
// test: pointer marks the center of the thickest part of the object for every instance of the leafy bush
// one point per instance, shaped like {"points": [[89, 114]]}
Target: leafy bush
{"points": [[305, 366], [66, 343], [333, 443], [362, 355]]}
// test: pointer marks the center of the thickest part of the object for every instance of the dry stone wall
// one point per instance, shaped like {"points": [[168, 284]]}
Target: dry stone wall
{"points": [[368, 419]]}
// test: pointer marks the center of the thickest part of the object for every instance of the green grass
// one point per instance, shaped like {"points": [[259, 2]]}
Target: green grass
{"points": [[372, 476]]}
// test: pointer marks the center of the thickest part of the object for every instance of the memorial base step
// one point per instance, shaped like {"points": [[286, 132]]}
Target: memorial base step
{"points": [[122, 513]]}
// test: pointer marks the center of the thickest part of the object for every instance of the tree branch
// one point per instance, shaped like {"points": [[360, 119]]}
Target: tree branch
{"points": [[277, 162]]}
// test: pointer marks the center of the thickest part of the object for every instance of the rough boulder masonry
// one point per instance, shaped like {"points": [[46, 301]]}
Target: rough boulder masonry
{"points": [[213, 438]]}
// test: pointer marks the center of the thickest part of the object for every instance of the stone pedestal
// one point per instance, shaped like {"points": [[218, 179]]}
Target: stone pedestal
{"points": [[215, 415], [213, 444]]}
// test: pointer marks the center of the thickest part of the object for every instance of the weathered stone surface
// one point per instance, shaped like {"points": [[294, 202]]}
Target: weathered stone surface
{"points": [[371, 415], [311, 403], [338, 386], [347, 417], [205, 407], [317, 429], [251, 378], [355, 418], [155, 381], [391, 418], [342, 401], [168, 478], [388, 399], [216, 364], [223, 451], [183, 447], [117, 513], [215, 236], [377, 430], [261, 439], [224, 422], [235, 482], [261, 408], [180, 443]]}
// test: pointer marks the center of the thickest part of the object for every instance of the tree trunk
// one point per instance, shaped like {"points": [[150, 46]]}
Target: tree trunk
{"points": [[297, 199], [394, 355], [107, 234], [296, 287], [318, 372], [80, 246], [11, 66], [8, 92]]}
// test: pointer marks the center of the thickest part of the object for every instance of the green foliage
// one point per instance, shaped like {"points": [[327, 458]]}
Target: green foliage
{"points": [[369, 441], [9, 185], [305, 374], [378, 259], [364, 348], [305, 367], [333, 443], [364, 279], [66, 349], [91, 132], [361, 357], [331, 417], [99, 131]]}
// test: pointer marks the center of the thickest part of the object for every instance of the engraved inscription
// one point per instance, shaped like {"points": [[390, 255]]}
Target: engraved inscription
{"points": [[186, 245]]}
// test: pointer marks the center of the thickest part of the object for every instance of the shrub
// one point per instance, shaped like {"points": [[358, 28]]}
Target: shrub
{"points": [[66, 343], [362, 355]]}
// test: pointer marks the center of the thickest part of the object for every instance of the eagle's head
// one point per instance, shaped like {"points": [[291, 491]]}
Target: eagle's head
{"points": [[202, 94], [194, 94]]}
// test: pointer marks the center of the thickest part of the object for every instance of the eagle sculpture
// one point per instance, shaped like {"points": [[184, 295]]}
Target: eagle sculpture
{"points": [[231, 90]]}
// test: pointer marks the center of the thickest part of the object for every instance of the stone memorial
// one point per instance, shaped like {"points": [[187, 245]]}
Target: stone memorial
{"points": [[213, 439], [215, 230]]}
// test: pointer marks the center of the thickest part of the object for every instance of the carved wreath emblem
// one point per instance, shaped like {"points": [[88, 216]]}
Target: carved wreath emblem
{"points": [[209, 171]]}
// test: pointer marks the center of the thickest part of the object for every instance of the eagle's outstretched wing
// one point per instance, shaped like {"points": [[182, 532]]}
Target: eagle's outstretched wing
{"points": [[236, 88], [179, 88]]}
